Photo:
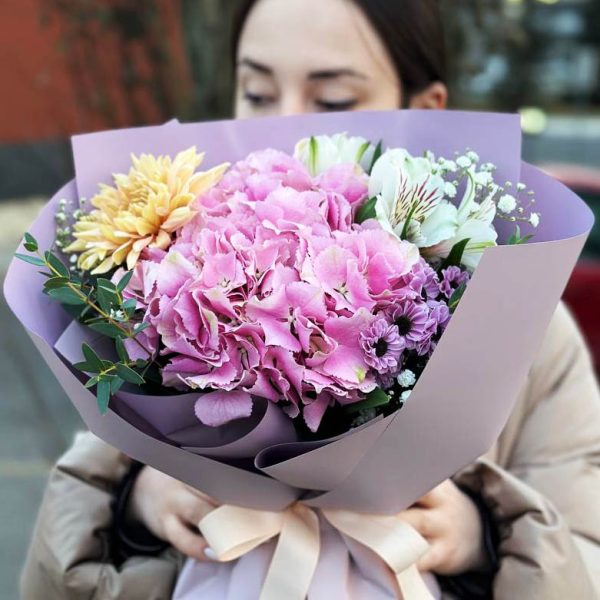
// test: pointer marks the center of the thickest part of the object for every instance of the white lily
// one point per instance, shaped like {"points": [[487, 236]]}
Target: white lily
{"points": [[320, 153]]}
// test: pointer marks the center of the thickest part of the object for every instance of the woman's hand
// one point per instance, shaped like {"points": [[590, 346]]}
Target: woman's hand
{"points": [[171, 510], [449, 520]]}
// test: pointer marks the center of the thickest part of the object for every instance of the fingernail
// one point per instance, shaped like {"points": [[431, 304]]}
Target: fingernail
{"points": [[210, 553]]}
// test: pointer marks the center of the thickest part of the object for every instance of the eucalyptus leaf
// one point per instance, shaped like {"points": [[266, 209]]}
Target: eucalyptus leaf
{"points": [[66, 295], [32, 260], [107, 329], [116, 384], [55, 282], [121, 351], [57, 265], [30, 243], [128, 374], [124, 281], [93, 360], [103, 395], [140, 327]]}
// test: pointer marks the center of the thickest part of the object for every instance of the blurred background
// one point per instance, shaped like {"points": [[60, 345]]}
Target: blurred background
{"points": [[71, 66]]}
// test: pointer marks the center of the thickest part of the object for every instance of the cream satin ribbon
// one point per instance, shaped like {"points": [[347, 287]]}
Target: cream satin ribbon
{"points": [[232, 531]]}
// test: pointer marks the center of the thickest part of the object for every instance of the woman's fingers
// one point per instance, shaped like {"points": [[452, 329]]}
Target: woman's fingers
{"points": [[435, 556], [424, 520], [192, 508], [180, 536]]}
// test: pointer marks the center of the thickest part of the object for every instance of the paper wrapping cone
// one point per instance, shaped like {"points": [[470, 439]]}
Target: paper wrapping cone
{"points": [[463, 398]]}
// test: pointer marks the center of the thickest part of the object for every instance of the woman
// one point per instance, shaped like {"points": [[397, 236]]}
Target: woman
{"points": [[521, 522]]}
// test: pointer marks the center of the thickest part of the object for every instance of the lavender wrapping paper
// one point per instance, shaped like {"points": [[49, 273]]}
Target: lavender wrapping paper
{"points": [[459, 405]]}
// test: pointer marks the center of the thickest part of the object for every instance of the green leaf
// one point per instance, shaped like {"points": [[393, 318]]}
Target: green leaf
{"points": [[124, 281], [366, 211], [140, 327], [107, 329], [30, 243], [57, 265], [91, 382], [454, 258], [515, 237], [140, 363], [376, 156], [55, 282], [107, 284], [121, 351], [93, 360], [361, 151], [129, 375], [129, 307], [103, 395], [456, 297], [106, 294], [313, 149], [32, 260], [409, 217], [66, 295], [373, 399], [115, 385]]}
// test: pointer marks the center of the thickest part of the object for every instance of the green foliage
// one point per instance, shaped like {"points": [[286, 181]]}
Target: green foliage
{"points": [[376, 156], [373, 399], [516, 238], [456, 297], [455, 257], [99, 304], [366, 211]]}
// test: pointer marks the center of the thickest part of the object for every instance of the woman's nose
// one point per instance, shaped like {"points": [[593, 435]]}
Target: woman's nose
{"points": [[292, 104]]}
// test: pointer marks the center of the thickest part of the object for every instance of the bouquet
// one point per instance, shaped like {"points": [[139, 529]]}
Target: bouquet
{"points": [[308, 327]]}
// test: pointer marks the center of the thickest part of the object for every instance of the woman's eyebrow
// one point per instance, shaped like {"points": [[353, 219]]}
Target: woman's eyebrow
{"points": [[333, 73], [256, 66]]}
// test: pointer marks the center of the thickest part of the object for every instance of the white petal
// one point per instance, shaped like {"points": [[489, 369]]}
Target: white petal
{"points": [[440, 225]]}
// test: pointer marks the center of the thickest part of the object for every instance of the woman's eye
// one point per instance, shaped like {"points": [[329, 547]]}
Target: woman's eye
{"points": [[340, 105], [257, 100]]}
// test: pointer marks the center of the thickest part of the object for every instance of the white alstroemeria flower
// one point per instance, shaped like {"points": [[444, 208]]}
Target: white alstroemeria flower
{"points": [[322, 152], [410, 199], [473, 223], [412, 204]]}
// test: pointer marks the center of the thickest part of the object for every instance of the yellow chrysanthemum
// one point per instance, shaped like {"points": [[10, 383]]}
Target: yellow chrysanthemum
{"points": [[142, 210]]}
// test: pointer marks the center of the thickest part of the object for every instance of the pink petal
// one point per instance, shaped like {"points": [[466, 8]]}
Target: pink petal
{"points": [[217, 408], [313, 413]]}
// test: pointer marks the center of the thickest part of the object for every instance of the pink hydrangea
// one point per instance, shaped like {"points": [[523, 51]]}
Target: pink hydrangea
{"points": [[269, 289]]}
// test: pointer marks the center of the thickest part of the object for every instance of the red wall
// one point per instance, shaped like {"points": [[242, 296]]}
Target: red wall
{"points": [[38, 99]]}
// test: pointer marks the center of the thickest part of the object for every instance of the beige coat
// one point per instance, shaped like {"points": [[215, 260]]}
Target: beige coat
{"points": [[541, 481]]}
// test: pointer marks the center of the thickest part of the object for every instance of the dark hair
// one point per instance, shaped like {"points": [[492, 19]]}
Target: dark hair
{"points": [[411, 30]]}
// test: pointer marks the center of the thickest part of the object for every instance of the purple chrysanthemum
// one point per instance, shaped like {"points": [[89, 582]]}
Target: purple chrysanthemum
{"points": [[410, 319], [452, 278], [382, 346]]}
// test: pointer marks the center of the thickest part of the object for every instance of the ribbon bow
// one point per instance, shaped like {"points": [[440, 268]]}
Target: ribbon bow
{"points": [[232, 531]]}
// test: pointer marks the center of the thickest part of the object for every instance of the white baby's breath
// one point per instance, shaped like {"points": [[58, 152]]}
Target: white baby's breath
{"points": [[406, 378], [507, 204]]}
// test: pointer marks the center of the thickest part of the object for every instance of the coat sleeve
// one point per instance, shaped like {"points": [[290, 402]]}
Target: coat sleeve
{"points": [[546, 499], [69, 555]]}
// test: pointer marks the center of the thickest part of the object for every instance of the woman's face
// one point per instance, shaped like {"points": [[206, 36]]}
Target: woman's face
{"points": [[301, 56]]}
